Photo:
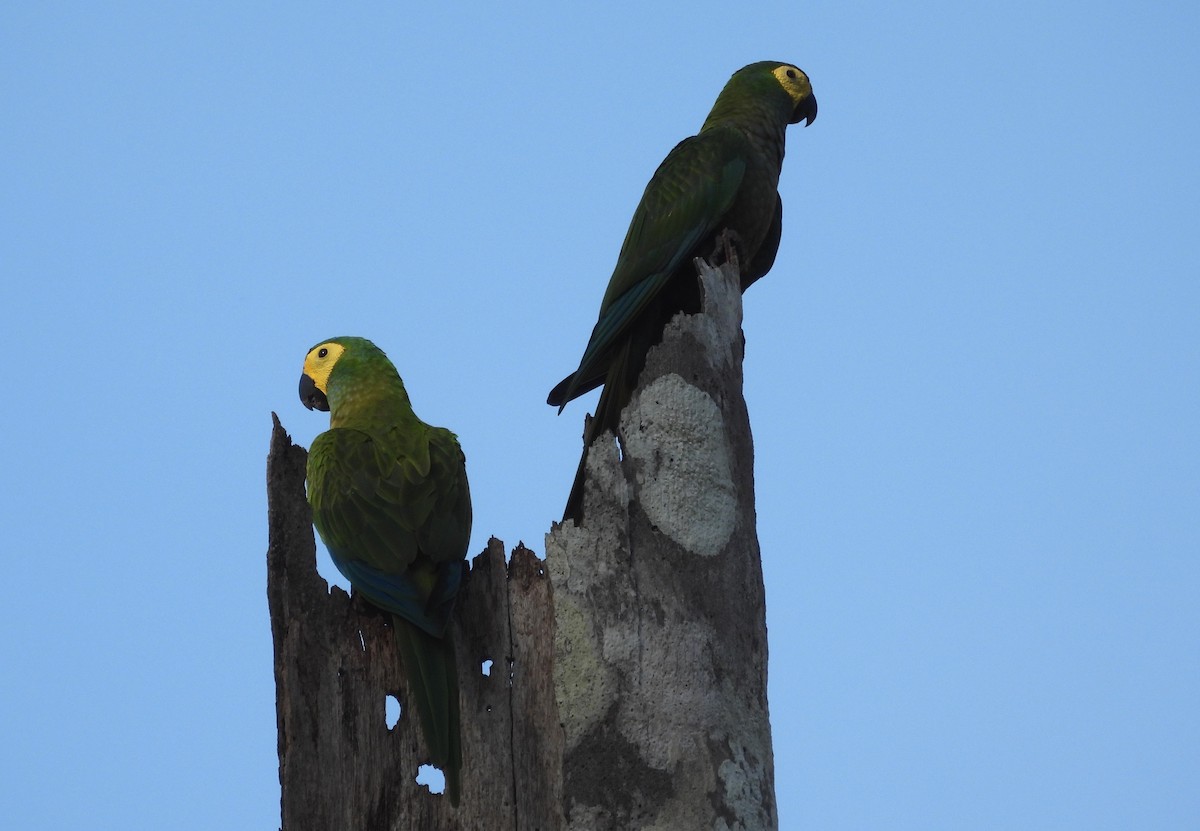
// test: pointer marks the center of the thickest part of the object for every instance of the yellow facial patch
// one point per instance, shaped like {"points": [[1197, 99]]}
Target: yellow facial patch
{"points": [[794, 82], [319, 363]]}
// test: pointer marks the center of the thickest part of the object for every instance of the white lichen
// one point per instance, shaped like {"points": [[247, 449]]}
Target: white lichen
{"points": [[674, 434]]}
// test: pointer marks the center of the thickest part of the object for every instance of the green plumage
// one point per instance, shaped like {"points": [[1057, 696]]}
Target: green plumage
{"points": [[724, 178], [390, 500]]}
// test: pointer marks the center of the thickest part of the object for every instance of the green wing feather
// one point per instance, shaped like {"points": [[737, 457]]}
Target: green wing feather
{"points": [[391, 496], [394, 510], [682, 206]]}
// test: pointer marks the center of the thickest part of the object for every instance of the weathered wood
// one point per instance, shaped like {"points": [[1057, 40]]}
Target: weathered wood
{"points": [[628, 683], [661, 649], [340, 767]]}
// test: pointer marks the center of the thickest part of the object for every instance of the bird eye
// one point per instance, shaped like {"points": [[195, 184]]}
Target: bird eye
{"points": [[322, 352], [791, 73]]}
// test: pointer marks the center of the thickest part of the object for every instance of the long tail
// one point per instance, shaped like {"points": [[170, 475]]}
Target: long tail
{"points": [[618, 389], [433, 681], [574, 509], [621, 379]]}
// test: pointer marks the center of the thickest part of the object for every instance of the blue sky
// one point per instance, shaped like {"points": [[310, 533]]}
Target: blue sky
{"points": [[973, 374]]}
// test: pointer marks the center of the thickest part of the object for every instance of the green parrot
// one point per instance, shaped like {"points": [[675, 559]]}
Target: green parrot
{"points": [[390, 500], [724, 178]]}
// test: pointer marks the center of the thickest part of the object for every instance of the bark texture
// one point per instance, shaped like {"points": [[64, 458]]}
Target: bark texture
{"points": [[628, 684], [660, 638], [340, 767]]}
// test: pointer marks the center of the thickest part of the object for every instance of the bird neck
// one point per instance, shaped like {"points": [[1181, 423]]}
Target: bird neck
{"points": [[763, 128], [366, 406]]}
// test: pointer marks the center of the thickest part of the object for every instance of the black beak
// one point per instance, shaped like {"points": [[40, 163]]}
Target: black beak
{"points": [[312, 397], [805, 111]]}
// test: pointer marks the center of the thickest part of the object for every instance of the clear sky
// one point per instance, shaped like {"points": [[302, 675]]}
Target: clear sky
{"points": [[973, 374]]}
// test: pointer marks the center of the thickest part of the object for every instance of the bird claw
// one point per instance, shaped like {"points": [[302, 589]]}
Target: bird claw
{"points": [[726, 248]]}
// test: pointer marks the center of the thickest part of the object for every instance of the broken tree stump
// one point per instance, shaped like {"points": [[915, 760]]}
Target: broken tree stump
{"points": [[628, 684], [340, 767], [660, 638]]}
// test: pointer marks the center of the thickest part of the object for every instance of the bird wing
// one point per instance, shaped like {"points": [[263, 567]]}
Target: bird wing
{"points": [[683, 204], [394, 512]]}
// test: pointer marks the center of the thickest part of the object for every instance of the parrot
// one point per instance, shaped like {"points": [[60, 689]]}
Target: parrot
{"points": [[390, 500], [724, 178]]}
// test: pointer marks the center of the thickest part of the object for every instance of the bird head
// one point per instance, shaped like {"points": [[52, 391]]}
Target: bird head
{"points": [[796, 84], [318, 364]]}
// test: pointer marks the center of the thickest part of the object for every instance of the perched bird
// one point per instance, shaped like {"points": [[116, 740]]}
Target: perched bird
{"points": [[390, 500], [724, 178]]}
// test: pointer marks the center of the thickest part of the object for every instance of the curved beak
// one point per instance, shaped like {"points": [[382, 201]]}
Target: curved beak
{"points": [[805, 111], [312, 397]]}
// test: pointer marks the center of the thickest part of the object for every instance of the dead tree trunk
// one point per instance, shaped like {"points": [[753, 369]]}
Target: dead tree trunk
{"points": [[660, 643], [340, 767], [633, 695]]}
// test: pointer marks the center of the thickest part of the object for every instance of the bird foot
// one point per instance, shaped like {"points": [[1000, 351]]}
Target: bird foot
{"points": [[726, 248]]}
